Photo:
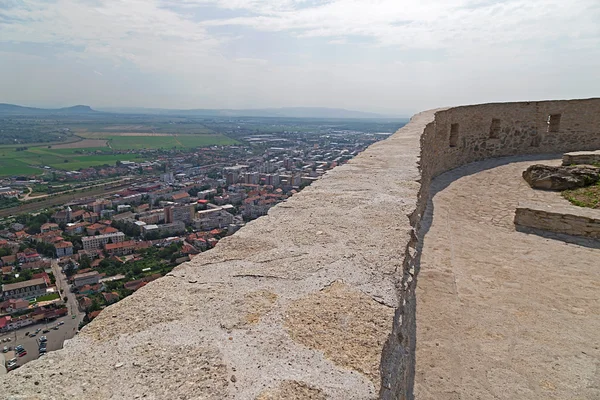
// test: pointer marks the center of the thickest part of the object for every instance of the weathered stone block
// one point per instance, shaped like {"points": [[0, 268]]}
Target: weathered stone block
{"points": [[560, 178]]}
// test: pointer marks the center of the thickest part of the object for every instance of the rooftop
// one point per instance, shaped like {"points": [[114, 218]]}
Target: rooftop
{"points": [[24, 284]]}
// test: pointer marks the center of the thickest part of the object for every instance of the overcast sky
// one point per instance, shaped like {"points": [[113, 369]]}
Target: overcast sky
{"points": [[391, 56]]}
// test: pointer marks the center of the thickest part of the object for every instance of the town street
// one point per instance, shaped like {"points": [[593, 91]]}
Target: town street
{"points": [[56, 338], [63, 286]]}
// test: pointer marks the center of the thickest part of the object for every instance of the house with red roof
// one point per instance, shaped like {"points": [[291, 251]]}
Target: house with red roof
{"points": [[64, 249], [111, 297]]}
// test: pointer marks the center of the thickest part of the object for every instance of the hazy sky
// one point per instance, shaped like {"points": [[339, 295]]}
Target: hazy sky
{"points": [[392, 56]]}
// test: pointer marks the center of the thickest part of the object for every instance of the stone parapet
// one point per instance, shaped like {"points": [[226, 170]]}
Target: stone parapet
{"points": [[570, 220], [581, 157]]}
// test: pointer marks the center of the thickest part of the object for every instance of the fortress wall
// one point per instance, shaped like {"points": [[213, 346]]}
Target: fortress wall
{"points": [[479, 132], [314, 300]]}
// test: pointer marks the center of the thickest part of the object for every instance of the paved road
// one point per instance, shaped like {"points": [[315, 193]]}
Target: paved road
{"points": [[63, 286], [56, 338]]}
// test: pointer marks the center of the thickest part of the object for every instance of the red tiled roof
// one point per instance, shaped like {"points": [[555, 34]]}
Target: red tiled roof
{"points": [[178, 196]]}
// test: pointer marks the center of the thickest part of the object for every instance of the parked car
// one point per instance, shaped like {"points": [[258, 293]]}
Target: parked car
{"points": [[38, 330], [19, 348], [46, 331], [8, 339], [33, 335], [5, 349], [23, 353], [61, 323], [43, 349], [43, 339], [55, 328]]}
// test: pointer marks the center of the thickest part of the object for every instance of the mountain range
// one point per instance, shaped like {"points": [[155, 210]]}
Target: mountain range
{"points": [[285, 112], [13, 109]]}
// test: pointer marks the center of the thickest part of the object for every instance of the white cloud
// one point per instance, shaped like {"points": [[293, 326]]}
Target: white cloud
{"points": [[369, 54]]}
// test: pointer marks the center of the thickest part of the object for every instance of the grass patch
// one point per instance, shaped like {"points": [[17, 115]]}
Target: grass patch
{"points": [[48, 297], [584, 197], [168, 142]]}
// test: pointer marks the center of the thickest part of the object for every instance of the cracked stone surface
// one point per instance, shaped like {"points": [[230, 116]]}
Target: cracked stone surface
{"points": [[233, 311], [334, 322], [292, 390], [503, 314]]}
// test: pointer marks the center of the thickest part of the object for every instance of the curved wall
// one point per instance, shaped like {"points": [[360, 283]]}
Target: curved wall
{"points": [[300, 303], [459, 136]]}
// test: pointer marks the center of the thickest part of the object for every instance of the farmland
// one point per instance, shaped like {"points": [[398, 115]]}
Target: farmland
{"points": [[30, 161]]}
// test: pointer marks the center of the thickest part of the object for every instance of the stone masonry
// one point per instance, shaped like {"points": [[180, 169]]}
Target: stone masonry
{"points": [[318, 298], [567, 219]]}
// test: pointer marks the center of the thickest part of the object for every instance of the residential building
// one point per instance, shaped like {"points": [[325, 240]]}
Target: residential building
{"points": [[111, 297], [14, 305], [179, 213], [27, 256], [87, 278], [127, 247], [183, 197], [96, 242], [24, 290], [64, 249], [213, 218], [173, 228], [48, 227]]}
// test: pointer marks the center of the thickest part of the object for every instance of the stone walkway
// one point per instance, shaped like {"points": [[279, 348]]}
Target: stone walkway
{"points": [[502, 314]]}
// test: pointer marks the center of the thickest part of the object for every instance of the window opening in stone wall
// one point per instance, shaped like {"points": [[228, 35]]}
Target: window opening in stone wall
{"points": [[553, 122], [495, 128], [453, 135]]}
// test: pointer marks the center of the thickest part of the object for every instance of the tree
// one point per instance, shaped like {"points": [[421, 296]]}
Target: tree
{"points": [[69, 269], [84, 262]]}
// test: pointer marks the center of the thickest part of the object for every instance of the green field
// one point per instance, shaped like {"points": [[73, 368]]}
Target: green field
{"points": [[32, 160], [121, 142]]}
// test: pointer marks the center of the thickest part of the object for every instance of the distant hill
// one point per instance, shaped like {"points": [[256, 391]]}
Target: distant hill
{"points": [[12, 109], [285, 112]]}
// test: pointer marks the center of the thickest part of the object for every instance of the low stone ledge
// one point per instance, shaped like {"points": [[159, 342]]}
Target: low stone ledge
{"points": [[570, 220], [581, 157]]}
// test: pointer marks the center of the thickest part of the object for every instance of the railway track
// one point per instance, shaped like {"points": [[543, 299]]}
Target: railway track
{"points": [[65, 198]]}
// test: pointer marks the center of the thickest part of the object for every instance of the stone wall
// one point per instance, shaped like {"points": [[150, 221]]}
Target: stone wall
{"points": [[581, 157], [314, 300], [458, 136], [576, 221]]}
